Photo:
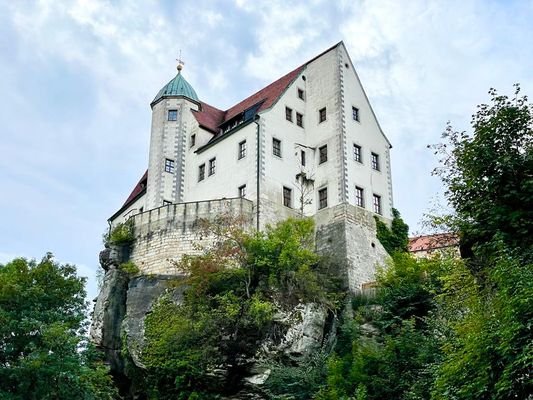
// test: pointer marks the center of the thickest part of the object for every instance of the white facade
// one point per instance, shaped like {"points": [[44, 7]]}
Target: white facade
{"points": [[261, 156]]}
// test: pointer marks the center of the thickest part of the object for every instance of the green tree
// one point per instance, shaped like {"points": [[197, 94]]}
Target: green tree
{"points": [[232, 292], [395, 238], [486, 303], [489, 175], [43, 353]]}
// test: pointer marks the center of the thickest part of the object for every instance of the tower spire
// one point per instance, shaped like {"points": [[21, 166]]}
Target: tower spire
{"points": [[180, 63]]}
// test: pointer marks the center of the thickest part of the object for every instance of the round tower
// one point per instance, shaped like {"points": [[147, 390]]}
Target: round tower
{"points": [[171, 120]]}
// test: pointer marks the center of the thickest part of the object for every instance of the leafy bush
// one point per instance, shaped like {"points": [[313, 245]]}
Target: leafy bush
{"points": [[129, 267], [121, 234]]}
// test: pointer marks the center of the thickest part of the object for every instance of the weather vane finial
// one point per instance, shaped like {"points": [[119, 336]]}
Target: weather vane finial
{"points": [[180, 62]]}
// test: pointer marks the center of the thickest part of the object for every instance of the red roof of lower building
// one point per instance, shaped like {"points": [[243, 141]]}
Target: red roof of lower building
{"points": [[433, 242]]}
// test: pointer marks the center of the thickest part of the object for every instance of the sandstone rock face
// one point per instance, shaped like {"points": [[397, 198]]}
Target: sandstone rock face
{"points": [[109, 311], [143, 293]]}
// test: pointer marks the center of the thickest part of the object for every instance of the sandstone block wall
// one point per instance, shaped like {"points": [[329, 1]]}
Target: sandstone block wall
{"points": [[163, 235]]}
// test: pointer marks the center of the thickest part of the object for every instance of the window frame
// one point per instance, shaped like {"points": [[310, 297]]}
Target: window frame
{"points": [[201, 172], [287, 196], [323, 154], [300, 93], [357, 153], [376, 204], [241, 190], [323, 200], [359, 196], [169, 165], [355, 114], [193, 140], [322, 115], [166, 203], [276, 147], [374, 161], [288, 114], [299, 119], [212, 167], [175, 114], [302, 158], [241, 150]]}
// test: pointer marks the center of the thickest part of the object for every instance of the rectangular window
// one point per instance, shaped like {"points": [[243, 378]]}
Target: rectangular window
{"points": [[276, 147], [172, 115], [377, 204], [212, 166], [169, 165], [242, 149], [323, 154], [287, 196], [375, 161], [166, 202], [359, 197], [322, 115], [193, 140], [302, 157], [299, 120], [357, 156], [322, 198], [288, 114], [355, 114], [301, 94], [201, 172], [242, 191]]}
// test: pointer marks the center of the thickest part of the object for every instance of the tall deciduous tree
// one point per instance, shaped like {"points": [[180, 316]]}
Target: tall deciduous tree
{"points": [[489, 174], [43, 353]]}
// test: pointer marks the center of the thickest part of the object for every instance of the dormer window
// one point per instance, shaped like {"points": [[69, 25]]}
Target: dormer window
{"points": [[172, 115]]}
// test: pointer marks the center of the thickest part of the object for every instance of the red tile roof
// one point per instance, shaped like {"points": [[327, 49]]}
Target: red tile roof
{"points": [[139, 187], [432, 242], [211, 117]]}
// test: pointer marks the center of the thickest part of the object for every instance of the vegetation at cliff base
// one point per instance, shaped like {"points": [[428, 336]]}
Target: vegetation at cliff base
{"points": [[234, 289], [43, 351]]}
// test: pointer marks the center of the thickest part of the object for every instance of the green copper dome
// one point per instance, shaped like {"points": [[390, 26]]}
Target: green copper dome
{"points": [[177, 87]]}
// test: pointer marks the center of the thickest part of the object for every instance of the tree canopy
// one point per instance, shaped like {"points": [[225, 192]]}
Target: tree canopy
{"points": [[43, 352]]}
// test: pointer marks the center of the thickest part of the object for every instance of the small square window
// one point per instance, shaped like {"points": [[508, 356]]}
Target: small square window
{"points": [[169, 165], [166, 202], [242, 149], [172, 115], [276, 147], [212, 166], [322, 115], [201, 172], [299, 120], [323, 154], [301, 94], [287, 196], [302, 157], [322, 198], [377, 204], [288, 114], [193, 140], [375, 161], [359, 197], [242, 191], [355, 114], [357, 155]]}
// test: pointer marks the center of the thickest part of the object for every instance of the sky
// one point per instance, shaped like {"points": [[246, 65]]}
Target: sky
{"points": [[77, 78]]}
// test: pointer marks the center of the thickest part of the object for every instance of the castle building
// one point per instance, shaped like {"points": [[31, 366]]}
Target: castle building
{"points": [[307, 144]]}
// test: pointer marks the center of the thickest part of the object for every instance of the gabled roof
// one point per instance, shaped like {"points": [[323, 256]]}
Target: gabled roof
{"points": [[138, 191], [211, 117]]}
